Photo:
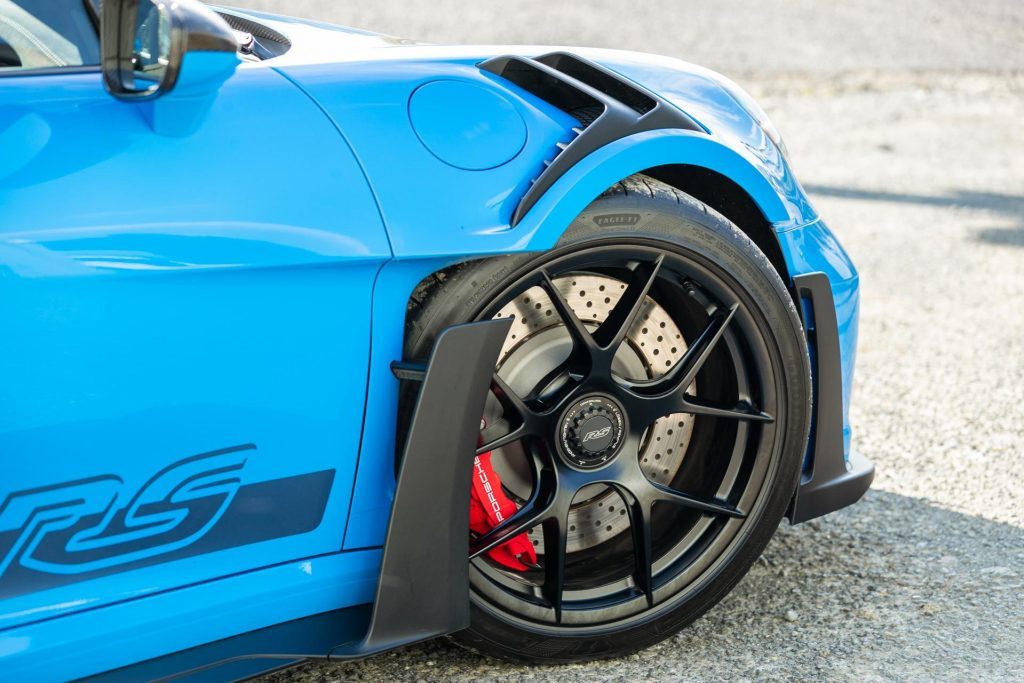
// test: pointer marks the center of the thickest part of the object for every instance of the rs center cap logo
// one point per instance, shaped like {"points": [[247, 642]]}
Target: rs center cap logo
{"points": [[591, 432], [597, 434], [595, 431]]}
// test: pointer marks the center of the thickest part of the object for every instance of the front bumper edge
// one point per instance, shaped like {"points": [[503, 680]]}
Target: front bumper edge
{"points": [[832, 482]]}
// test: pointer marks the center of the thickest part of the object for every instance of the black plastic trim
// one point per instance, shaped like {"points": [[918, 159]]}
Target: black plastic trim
{"points": [[413, 372], [424, 578], [608, 107], [832, 482], [232, 658]]}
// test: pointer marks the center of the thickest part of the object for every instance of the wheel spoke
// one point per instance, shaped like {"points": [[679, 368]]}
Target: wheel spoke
{"points": [[583, 342], [517, 434], [509, 399], [535, 510], [712, 506], [541, 392], [639, 512], [621, 318], [681, 375], [555, 539], [524, 519], [666, 395], [742, 410]]}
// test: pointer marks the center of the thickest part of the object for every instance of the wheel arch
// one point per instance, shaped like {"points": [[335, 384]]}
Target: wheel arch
{"points": [[751, 197], [729, 199], [693, 163]]}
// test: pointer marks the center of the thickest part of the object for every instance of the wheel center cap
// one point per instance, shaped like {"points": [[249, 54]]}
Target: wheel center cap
{"points": [[591, 431]]}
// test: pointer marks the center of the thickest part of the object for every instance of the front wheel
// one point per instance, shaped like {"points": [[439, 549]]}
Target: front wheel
{"points": [[648, 418]]}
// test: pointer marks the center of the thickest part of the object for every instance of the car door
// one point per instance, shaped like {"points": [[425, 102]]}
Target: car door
{"points": [[184, 330]]}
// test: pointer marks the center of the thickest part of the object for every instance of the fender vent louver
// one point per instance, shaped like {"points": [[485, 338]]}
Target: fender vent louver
{"points": [[607, 106]]}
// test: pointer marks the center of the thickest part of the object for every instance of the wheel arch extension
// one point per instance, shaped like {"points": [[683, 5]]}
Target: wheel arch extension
{"points": [[690, 162], [706, 170], [721, 194]]}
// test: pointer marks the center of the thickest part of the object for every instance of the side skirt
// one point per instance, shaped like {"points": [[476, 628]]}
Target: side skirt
{"points": [[248, 654]]}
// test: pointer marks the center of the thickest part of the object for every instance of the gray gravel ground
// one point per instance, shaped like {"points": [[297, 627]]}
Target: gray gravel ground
{"points": [[738, 36], [904, 121]]}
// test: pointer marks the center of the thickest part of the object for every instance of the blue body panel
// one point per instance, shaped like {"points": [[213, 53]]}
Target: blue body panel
{"points": [[161, 299], [197, 419]]}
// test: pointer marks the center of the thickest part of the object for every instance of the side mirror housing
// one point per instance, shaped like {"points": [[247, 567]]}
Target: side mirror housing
{"points": [[171, 56]]}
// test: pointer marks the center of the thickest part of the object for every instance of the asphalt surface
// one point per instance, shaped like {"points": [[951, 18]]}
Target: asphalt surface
{"points": [[904, 121]]}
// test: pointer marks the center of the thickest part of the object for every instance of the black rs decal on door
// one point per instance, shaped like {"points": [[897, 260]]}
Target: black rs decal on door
{"points": [[73, 531]]}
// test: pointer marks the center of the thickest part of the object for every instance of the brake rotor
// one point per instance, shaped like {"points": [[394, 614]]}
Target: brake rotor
{"points": [[537, 343]]}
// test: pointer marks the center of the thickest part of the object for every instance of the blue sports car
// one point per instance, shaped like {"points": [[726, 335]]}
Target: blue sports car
{"points": [[316, 342]]}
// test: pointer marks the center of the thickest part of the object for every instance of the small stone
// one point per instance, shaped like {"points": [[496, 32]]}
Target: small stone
{"points": [[791, 615], [866, 613], [998, 571]]}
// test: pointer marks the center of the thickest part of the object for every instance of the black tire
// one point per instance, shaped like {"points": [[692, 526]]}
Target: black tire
{"points": [[642, 211]]}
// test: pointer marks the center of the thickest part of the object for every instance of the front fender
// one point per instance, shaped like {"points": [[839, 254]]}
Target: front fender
{"points": [[557, 208], [433, 207]]}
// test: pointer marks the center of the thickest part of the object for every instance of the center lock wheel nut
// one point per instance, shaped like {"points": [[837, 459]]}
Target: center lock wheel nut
{"points": [[591, 432]]}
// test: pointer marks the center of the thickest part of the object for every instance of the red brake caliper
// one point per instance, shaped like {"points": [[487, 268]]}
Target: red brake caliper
{"points": [[488, 507]]}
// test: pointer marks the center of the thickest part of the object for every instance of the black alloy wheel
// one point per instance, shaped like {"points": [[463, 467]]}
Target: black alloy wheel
{"points": [[647, 415]]}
